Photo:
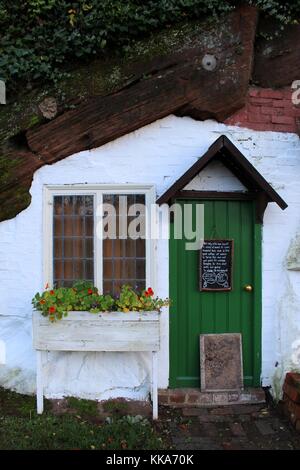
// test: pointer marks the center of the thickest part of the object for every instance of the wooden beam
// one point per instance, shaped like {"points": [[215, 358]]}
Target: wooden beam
{"points": [[260, 206]]}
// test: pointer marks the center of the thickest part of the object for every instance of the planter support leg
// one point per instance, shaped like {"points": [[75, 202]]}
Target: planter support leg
{"points": [[154, 385], [39, 382]]}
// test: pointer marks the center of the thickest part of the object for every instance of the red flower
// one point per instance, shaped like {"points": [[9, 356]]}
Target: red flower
{"points": [[52, 292], [146, 294], [42, 301], [52, 309], [150, 291], [90, 291]]}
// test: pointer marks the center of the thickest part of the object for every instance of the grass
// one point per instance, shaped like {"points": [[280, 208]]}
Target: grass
{"points": [[86, 408], [21, 428], [15, 404], [113, 406]]}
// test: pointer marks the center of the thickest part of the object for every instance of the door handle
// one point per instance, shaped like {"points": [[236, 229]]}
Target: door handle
{"points": [[248, 288]]}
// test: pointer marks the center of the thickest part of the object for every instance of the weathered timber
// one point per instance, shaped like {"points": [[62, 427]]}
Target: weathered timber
{"points": [[84, 331]]}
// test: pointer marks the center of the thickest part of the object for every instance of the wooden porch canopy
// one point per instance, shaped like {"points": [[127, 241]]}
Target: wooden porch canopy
{"points": [[228, 154]]}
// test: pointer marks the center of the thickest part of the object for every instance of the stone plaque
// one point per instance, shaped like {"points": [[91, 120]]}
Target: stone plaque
{"points": [[216, 265], [221, 362]]}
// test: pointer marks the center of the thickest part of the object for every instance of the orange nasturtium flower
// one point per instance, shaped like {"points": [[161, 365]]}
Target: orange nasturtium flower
{"points": [[51, 292], [42, 301]]}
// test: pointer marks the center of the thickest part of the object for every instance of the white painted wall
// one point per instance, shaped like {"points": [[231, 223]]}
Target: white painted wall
{"points": [[156, 154], [215, 177]]}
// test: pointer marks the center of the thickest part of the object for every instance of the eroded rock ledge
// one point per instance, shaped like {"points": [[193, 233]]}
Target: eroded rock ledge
{"points": [[199, 70]]}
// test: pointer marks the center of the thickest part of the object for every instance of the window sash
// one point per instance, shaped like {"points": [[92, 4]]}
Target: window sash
{"points": [[97, 192], [73, 238], [123, 260]]}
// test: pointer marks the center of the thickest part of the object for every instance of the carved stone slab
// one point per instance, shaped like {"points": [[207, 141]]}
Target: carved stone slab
{"points": [[221, 362]]}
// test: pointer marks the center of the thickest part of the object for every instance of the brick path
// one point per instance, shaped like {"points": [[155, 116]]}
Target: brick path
{"points": [[235, 427]]}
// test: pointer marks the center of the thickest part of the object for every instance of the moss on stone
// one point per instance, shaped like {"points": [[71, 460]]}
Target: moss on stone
{"points": [[7, 167], [20, 200], [33, 121], [19, 114]]}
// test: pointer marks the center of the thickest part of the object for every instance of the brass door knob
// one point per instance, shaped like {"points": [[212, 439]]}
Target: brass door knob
{"points": [[248, 288]]}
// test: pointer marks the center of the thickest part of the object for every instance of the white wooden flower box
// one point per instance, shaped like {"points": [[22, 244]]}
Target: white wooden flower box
{"points": [[85, 331]]}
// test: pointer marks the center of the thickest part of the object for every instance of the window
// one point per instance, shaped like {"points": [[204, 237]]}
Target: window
{"points": [[124, 259], [75, 216], [73, 239]]}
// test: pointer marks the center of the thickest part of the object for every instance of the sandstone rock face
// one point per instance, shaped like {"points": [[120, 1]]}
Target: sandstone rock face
{"points": [[277, 55], [206, 76]]}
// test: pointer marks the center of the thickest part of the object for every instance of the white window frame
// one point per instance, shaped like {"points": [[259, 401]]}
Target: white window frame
{"points": [[49, 191]]}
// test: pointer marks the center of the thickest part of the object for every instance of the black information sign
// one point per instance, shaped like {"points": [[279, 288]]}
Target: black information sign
{"points": [[216, 265]]}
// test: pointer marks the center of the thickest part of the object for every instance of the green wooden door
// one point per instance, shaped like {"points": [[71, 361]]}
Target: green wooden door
{"points": [[237, 311]]}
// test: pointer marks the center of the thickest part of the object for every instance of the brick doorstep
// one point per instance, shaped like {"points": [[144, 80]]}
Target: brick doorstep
{"points": [[187, 397]]}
